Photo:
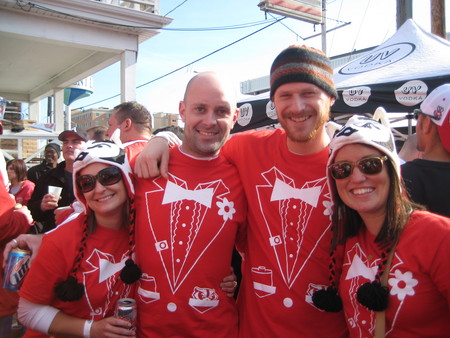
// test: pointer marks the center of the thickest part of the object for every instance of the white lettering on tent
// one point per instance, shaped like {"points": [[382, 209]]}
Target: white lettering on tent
{"points": [[356, 96], [379, 58], [411, 93]]}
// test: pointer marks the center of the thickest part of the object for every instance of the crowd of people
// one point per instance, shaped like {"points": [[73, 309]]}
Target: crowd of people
{"points": [[332, 241]]}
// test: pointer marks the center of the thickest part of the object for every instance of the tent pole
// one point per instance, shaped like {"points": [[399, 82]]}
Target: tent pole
{"points": [[324, 26]]}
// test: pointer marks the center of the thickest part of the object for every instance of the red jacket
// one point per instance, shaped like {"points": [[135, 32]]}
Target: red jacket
{"points": [[25, 192]]}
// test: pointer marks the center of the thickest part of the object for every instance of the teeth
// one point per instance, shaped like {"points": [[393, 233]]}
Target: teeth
{"points": [[362, 191], [105, 198], [206, 133], [299, 119]]}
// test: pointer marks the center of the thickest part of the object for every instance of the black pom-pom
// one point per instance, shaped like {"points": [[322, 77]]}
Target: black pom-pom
{"points": [[130, 272], [373, 295], [327, 300], [69, 290]]}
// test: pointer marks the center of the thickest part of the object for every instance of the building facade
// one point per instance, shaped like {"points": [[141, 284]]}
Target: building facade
{"points": [[94, 117], [161, 120]]}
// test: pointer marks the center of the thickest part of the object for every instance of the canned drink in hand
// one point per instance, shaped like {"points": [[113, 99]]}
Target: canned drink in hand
{"points": [[126, 309], [16, 268]]}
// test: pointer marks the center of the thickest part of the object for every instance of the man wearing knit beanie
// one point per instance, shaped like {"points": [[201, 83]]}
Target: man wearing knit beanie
{"points": [[52, 152], [284, 176], [303, 91], [283, 172], [302, 64]]}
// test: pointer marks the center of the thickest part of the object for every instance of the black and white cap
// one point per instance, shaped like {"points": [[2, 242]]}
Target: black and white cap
{"points": [[106, 152]]}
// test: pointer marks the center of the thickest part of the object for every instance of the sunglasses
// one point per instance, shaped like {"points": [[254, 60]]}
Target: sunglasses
{"points": [[368, 166], [105, 177], [418, 112]]}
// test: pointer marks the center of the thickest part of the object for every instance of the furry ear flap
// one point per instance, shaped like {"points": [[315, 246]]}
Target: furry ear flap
{"points": [[381, 116]]}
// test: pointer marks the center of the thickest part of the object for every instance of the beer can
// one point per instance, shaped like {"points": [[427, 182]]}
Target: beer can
{"points": [[126, 309], [16, 268]]}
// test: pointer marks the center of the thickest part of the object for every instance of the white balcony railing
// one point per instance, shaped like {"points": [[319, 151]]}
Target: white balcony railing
{"points": [[149, 6]]}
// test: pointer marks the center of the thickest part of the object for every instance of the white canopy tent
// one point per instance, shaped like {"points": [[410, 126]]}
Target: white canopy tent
{"points": [[397, 75]]}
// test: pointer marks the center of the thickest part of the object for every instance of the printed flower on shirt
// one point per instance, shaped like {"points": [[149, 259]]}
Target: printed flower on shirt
{"points": [[328, 208], [403, 284], [226, 209]]}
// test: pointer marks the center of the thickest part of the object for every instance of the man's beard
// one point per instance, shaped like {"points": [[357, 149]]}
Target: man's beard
{"points": [[293, 136]]}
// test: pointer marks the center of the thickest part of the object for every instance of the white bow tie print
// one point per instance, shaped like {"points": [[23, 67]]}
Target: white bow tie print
{"points": [[108, 269], [358, 268], [283, 191], [175, 193]]}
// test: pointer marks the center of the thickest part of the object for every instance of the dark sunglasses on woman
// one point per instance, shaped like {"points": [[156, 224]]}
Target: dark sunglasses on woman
{"points": [[368, 166], [105, 177]]}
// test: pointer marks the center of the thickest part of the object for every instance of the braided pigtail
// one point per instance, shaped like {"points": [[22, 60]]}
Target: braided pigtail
{"points": [[131, 271], [328, 299], [373, 295], [70, 290]]}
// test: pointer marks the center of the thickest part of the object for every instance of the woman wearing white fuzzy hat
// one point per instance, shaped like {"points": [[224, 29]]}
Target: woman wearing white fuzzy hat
{"points": [[85, 265], [390, 267]]}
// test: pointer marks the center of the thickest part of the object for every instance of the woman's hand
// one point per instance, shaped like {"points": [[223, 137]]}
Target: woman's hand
{"points": [[112, 327]]}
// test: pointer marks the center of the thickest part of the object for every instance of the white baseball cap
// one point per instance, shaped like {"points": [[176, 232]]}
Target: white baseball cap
{"points": [[437, 106]]}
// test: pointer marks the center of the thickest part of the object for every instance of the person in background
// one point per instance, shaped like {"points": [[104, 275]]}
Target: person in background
{"points": [[131, 124], [396, 258], [409, 151], [85, 265], [97, 133], [289, 206], [19, 186], [42, 204], [177, 130], [13, 222], [52, 152], [427, 179]]}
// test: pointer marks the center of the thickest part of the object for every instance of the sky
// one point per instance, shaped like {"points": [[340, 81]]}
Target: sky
{"points": [[371, 23]]}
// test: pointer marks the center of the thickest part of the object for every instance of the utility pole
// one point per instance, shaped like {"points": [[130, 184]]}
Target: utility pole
{"points": [[404, 11], [438, 18]]}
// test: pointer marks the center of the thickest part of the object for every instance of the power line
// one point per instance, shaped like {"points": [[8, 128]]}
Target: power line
{"points": [[207, 55], [176, 7], [188, 64], [26, 6]]}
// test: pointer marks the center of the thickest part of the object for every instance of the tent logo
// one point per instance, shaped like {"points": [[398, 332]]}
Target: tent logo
{"points": [[411, 93], [245, 114], [356, 96], [271, 112], [379, 58]]}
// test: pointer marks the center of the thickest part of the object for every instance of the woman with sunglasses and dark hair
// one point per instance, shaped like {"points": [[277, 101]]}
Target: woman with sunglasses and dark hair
{"points": [[85, 265], [20, 187], [390, 267]]}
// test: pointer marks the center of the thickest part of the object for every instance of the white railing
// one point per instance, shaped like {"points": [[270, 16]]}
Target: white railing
{"points": [[149, 6]]}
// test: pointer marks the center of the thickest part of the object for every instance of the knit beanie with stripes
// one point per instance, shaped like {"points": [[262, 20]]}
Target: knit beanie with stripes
{"points": [[302, 64]]}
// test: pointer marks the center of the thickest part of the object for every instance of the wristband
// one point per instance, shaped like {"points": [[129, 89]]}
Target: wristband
{"points": [[87, 328]]}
